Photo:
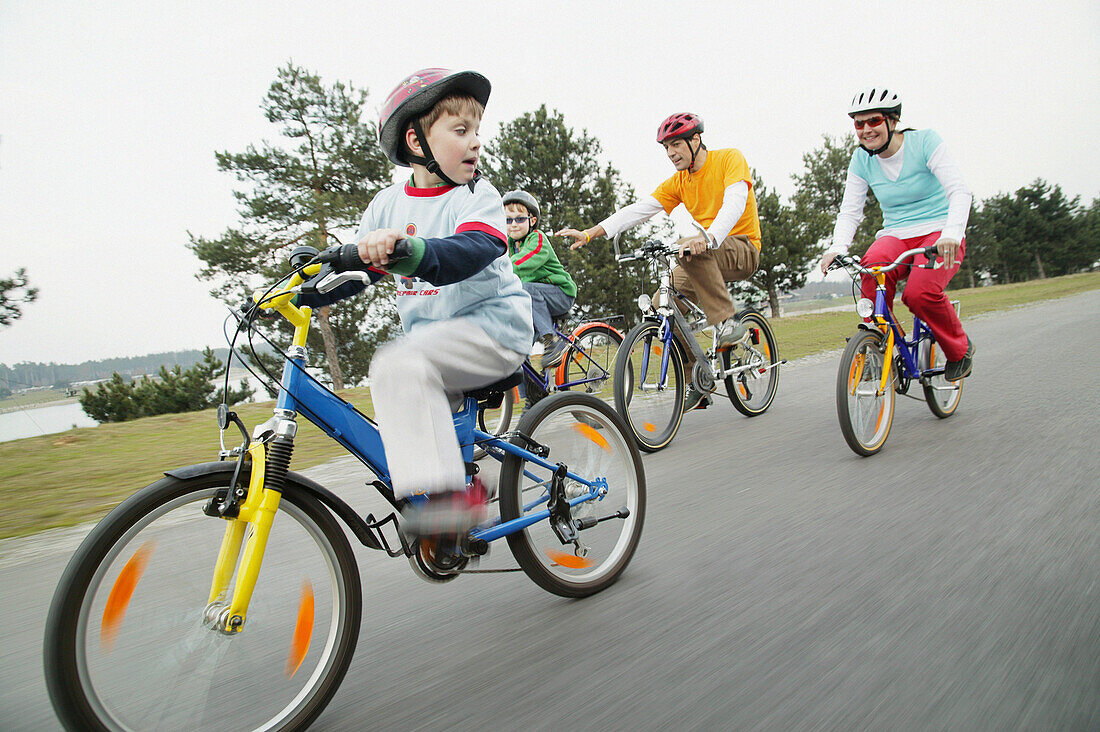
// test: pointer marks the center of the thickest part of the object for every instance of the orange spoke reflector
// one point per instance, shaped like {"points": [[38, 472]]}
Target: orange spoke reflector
{"points": [[856, 374], [658, 350], [649, 427], [303, 630], [744, 392], [568, 560], [121, 592], [591, 433]]}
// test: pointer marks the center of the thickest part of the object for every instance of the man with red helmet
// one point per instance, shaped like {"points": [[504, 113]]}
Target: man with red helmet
{"points": [[466, 317], [715, 186]]}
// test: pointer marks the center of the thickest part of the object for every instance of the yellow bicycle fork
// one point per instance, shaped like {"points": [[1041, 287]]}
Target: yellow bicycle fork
{"points": [[888, 352], [251, 527]]}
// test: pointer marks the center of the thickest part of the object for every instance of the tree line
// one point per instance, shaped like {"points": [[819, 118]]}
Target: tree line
{"points": [[29, 374]]}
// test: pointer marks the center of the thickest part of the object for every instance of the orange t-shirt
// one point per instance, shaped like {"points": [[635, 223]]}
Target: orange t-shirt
{"points": [[702, 193]]}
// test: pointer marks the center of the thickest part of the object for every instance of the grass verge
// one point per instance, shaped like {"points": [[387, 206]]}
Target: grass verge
{"points": [[70, 477]]}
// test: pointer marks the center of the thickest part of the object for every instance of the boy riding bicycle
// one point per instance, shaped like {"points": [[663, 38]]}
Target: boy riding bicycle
{"points": [[715, 186], [551, 288], [466, 317]]}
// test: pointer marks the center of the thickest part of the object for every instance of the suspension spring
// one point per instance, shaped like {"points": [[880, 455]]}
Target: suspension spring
{"points": [[278, 462]]}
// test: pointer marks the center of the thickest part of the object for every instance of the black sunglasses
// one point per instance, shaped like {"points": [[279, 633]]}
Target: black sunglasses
{"points": [[516, 220]]}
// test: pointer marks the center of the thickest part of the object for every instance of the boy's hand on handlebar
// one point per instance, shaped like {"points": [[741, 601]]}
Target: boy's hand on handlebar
{"points": [[692, 245], [376, 247], [826, 261], [949, 249]]}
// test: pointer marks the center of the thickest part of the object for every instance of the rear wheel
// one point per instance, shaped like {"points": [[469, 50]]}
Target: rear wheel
{"points": [[592, 356], [589, 438], [865, 408], [130, 644], [943, 396], [753, 389], [649, 386]]}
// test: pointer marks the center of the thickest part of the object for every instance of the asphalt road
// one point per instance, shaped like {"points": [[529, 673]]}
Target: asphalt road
{"points": [[782, 582]]}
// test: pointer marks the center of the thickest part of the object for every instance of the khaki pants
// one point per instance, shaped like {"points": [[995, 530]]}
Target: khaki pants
{"points": [[702, 278]]}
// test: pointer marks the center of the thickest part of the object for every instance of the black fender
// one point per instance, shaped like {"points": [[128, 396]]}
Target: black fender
{"points": [[295, 482]]}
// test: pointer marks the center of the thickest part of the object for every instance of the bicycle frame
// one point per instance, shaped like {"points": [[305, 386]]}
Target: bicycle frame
{"points": [[301, 393], [883, 319], [559, 382]]}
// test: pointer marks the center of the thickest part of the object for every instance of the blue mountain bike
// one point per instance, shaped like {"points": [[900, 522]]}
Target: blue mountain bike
{"points": [[163, 618]]}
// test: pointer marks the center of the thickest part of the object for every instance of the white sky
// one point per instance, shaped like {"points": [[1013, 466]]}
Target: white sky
{"points": [[110, 113]]}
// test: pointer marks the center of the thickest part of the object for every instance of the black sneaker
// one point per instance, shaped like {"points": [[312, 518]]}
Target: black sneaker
{"points": [[955, 370], [695, 399], [552, 357]]}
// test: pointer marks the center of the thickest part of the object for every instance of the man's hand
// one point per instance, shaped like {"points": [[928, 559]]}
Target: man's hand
{"points": [[949, 248], [579, 237], [692, 245], [826, 261], [376, 247]]}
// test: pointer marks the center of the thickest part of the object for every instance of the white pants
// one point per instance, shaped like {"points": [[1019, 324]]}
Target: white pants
{"points": [[416, 383]]}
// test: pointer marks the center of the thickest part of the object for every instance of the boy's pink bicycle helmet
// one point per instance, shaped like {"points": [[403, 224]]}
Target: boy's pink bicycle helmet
{"points": [[414, 97], [680, 125]]}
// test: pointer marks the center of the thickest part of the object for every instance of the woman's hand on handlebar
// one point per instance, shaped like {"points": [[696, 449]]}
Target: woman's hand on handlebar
{"points": [[827, 260], [949, 249], [376, 247]]}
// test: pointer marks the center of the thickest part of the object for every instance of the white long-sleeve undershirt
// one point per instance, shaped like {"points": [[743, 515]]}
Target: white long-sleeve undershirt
{"points": [[947, 173], [734, 200]]}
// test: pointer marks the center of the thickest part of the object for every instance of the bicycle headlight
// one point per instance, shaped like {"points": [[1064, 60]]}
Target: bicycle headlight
{"points": [[645, 304], [865, 308]]}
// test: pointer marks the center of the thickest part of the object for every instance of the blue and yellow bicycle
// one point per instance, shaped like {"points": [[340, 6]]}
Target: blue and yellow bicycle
{"points": [[226, 594], [879, 361]]}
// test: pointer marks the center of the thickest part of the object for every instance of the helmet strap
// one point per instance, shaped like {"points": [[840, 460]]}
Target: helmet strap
{"points": [[429, 161], [889, 139]]}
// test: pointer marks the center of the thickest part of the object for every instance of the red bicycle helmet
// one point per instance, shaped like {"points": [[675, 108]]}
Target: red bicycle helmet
{"points": [[680, 125], [415, 96]]}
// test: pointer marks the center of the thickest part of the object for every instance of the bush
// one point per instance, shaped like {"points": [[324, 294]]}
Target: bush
{"points": [[174, 391]]}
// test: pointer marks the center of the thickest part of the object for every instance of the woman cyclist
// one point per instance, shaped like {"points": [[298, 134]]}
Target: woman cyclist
{"points": [[924, 202]]}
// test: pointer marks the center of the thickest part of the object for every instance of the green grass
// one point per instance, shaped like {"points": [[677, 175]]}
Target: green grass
{"points": [[71, 477]]}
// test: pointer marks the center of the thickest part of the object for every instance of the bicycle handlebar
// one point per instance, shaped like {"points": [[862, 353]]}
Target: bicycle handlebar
{"points": [[852, 263], [346, 257]]}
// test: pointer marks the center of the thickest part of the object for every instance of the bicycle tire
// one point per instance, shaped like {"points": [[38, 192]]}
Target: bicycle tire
{"points": [[942, 396], [651, 410], [751, 391], [865, 415], [592, 355], [589, 437], [150, 662]]}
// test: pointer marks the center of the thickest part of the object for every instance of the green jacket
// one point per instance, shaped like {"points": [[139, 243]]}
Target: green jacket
{"points": [[534, 260]]}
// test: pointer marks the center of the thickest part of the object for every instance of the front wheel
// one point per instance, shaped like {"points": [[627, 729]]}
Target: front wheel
{"points": [[589, 438], [649, 386], [752, 389], [129, 642], [865, 408], [943, 396]]}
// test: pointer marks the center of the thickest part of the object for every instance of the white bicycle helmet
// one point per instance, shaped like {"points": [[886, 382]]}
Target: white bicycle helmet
{"points": [[875, 99]]}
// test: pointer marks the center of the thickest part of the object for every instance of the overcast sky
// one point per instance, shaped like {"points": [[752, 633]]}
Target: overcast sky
{"points": [[110, 114]]}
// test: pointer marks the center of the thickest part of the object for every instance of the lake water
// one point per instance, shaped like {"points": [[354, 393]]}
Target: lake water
{"points": [[43, 421]]}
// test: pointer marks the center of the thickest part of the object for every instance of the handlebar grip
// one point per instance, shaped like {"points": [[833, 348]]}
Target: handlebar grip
{"points": [[931, 253], [346, 257]]}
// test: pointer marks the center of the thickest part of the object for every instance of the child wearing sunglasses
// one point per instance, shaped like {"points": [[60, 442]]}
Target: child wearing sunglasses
{"points": [[924, 201], [551, 288]]}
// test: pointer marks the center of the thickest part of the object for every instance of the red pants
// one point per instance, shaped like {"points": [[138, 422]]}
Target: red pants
{"points": [[924, 290]]}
